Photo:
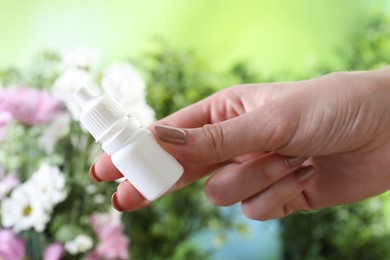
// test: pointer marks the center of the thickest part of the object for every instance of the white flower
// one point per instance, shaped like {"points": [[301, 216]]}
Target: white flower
{"points": [[55, 130], [142, 112], [49, 185], [23, 210], [80, 244], [70, 82], [81, 57], [91, 189], [122, 82], [99, 199]]}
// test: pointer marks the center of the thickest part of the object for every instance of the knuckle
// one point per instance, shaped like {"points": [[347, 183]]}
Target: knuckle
{"points": [[268, 170], [215, 137], [282, 134], [266, 176], [253, 213], [214, 195], [282, 129], [217, 200], [278, 196]]}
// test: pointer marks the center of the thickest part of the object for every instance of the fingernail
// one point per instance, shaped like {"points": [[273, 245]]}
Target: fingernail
{"points": [[171, 134], [114, 202], [92, 174], [292, 161], [305, 174]]}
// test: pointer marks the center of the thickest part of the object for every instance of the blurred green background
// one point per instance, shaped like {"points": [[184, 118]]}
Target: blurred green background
{"points": [[271, 35], [249, 41]]}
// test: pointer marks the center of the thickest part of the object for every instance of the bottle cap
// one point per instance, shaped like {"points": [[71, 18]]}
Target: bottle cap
{"points": [[99, 113]]}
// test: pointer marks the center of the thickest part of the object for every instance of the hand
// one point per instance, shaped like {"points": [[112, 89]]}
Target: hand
{"points": [[339, 121]]}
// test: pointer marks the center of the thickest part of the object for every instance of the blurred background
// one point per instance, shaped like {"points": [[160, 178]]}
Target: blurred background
{"points": [[185, 50], [271, 35]]}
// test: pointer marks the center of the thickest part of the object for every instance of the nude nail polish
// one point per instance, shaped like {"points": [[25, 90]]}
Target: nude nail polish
{"points": [[305, 174], [133, 149], [171, 134], [292, 161]]}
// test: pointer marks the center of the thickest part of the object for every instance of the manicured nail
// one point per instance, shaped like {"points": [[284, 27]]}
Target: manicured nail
{"points": [[292, 161], [92, 174], [171, 134], [305, 174], [114, 202]]}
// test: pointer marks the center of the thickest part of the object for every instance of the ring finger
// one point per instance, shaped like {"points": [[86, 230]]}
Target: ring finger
{"points": [[237, 182]]}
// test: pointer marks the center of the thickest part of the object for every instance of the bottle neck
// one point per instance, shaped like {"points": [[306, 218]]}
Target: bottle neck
{"points": [[119, 134]]}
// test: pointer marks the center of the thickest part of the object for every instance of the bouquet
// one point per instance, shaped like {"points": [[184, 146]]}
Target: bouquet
{"points": [[49, 207]]}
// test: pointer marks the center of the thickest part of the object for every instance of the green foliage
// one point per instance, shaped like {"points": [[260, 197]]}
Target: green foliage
{"points": [[357, 231], [369, 45], [34, 244], [10, 76], [347, 232], [176, 79]]}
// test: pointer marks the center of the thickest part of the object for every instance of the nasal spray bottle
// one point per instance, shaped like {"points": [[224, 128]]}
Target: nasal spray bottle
{"points": [[133, 149]]}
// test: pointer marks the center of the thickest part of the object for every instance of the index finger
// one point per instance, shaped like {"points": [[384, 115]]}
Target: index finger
{"points": [[194, 115]]}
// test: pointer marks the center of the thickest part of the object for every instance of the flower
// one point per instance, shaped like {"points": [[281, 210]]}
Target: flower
{"points": [[55, 130], [80, 244], [68, 83], [23, 210], [11, 247], [31, 203], [81, 57], [49, 185], [123, 83], [53, 252], [29, 105], [112, 243], [32, 123], [143, 112], [7, 182]]}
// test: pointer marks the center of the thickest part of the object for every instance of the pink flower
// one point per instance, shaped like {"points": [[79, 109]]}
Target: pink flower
{"points": [[53, 251], [7, 182], [11, 247], [28, 105], [113, 244]]}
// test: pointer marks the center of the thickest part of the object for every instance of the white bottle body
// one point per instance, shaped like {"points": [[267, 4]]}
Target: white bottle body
{"points": [[148, 167], [133, 149]]}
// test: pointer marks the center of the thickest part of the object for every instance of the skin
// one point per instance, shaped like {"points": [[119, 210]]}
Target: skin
{"points": [[245, 135]]}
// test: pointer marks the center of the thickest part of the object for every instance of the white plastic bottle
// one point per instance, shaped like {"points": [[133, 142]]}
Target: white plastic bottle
{"points": [[134, 151]]}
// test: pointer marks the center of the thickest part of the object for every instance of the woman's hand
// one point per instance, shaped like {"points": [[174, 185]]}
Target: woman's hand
{"points": [[281, 147]]}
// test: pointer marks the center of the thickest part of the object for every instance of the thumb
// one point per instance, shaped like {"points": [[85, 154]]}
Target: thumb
{"points": [[263, 129]]}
